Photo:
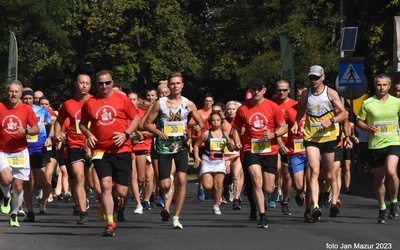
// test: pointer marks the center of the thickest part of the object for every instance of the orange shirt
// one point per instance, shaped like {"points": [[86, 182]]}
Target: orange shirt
{"points": [[11, 118], [256, 119], [71, 110], [295, 141], [108, 115], [146, 143]]}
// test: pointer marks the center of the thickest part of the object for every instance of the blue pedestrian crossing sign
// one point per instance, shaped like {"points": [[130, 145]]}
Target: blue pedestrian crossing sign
{"points": [[350, 74]]}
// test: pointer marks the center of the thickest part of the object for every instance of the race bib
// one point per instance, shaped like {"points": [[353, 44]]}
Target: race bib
{"points": [[174, 128], [217, 144], [259, 146], [383, 128], [78, 129], [298, 145], [318, 131], [97, 156], [16, 160], [337, 129], [32, 138]]}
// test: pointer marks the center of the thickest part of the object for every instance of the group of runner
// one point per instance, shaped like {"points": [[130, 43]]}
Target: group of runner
{"points": [[113, 141]]}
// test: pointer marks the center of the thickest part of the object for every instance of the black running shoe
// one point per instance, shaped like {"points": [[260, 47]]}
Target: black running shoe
{"points": [[110, 230], [75, 210], [333, 211], [285, 208], [30, 217], [300, 199], [308, 218], [394, 211], [83, 219], [165, 215], [382, 217], [263, 222], [253, 214], [326, 198], [121, 216], [236, 205], [316, 213]]}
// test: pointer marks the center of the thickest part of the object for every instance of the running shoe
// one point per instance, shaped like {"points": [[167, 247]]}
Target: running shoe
{"points": [[146, 205], [61, 196], [5, 207], [347, 191], [121, 215], [231, 196], [14, 221], [176, 223], [308, 218], [200, 195], [263, 222], [271, 202], [217, 210], [110, 230], [285, 208], [316, 213], [275, 195], [68, 197], [326, 198], [222, 201], [139, 209], [394, 211], [75, 210], [83, 219], [165, 215], [43, 209], [382, 217], [299, 198], [152, 200], [160, 202], [21, 211], [89, 193], [30, 217], [253, 214], [333, 211], [236, 204]]}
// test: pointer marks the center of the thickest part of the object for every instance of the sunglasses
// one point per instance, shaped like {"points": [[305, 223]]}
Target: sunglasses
{"points": [[282, 90], [314, 78], [100, 83]]}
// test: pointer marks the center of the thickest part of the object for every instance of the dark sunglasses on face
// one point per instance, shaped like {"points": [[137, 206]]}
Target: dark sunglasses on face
{"points": [[282, 90], [314, 78], [100, 83]]}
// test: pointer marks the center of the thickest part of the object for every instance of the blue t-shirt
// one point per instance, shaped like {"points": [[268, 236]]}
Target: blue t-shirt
{"points": [[36, 142]]}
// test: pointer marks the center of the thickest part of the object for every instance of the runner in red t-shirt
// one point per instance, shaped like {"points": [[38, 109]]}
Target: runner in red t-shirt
{"points": [[76, 150], [14, 156], [283, 181], [263, 122], [113, 119]]}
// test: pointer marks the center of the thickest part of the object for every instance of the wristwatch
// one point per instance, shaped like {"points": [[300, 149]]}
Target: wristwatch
{"points": [[332, 120]]}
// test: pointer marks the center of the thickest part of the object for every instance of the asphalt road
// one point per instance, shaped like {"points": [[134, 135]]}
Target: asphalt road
{"points": [[355, 225]]}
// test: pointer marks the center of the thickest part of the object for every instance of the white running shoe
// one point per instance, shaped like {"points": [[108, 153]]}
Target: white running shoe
{"points": [[139, 209], [216, 210], [175, 223]]}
